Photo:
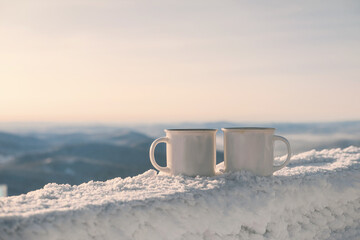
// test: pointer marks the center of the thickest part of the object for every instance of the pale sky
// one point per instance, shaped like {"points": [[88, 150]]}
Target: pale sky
{"points": [[175, 61]]}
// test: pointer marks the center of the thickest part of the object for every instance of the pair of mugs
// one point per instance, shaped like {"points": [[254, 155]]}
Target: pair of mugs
{"points": [[192, 152]]}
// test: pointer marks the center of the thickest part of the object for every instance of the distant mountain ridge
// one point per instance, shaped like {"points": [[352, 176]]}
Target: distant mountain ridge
{"points": [[74, 156], [15, 144], [350, 127], [79, 162]]}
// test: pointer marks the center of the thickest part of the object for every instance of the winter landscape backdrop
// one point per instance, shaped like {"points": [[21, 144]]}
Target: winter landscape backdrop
{"points": [[131, 65], [33, 155]]}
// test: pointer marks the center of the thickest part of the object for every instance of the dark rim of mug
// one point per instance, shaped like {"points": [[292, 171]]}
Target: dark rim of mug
{"points": [[191, 130], [247, 129]]}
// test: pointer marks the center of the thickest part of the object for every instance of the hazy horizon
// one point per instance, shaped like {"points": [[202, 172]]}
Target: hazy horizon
{"points": [[74, 153], [32, 124]]}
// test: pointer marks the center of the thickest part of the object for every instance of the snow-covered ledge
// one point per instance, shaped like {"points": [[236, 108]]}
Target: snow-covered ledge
{"points": [[316, 197]]}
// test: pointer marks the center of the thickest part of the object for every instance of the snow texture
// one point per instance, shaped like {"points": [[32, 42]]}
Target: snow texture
{"points": [[316, 197]]}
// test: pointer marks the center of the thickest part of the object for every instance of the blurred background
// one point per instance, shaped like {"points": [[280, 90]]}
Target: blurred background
{"points": [[85, 86], [37, 154]]}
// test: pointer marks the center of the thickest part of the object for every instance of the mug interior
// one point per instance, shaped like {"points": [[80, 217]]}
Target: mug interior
{"points": [[191, 130], [242, 129]]}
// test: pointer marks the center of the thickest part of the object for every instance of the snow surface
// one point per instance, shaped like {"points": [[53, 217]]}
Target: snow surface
{"points": [[316, 197]]}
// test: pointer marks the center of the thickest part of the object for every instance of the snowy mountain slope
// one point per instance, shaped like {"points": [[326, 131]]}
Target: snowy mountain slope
{"points": [[316, 197], [75, 164]]}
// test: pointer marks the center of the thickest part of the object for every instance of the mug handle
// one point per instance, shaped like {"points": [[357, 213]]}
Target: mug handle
{"points": [[152, 154], [282, 139]]}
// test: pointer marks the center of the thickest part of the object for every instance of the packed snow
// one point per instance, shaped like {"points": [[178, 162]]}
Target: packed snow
{"points": [[317, 196]]}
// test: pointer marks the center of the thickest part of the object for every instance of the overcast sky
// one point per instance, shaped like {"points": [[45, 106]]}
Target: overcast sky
{"points": [[175, 61]]}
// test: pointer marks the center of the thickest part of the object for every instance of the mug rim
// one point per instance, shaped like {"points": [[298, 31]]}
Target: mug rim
{"points": [[190, 130], [247, 129]]}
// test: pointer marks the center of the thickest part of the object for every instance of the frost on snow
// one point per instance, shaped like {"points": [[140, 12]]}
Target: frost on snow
{"points": [[316, 197]]}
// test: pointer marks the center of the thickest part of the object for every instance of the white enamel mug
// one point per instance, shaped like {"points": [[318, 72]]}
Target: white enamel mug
{"points": [[252, 149], [189, 152]]}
